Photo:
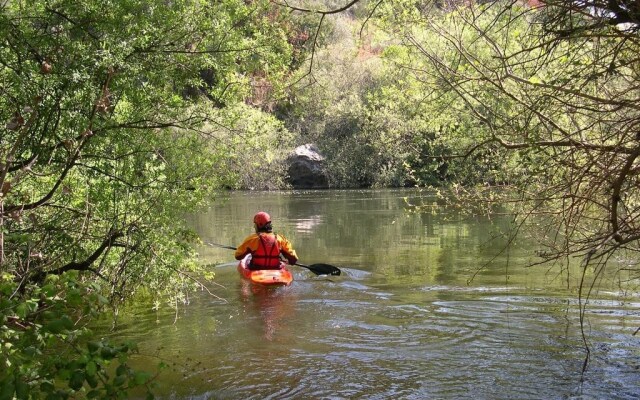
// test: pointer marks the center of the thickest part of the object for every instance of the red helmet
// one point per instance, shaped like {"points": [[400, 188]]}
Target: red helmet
{"points": [[261, 219]]}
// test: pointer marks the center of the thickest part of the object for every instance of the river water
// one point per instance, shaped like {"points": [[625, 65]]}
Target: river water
{"points": [[428, 306]]}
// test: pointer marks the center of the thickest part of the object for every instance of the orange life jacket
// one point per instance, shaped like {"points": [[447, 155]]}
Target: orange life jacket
{"points": [[267, 256]]}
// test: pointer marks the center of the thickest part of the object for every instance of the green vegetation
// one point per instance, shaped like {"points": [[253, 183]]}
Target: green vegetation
{"points": [[540, 99], [548, 105], [120, 116], [117, 117]]}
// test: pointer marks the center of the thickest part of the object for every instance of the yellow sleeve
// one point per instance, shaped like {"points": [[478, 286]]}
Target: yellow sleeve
{"points": [[249, 244], [286, 248]]}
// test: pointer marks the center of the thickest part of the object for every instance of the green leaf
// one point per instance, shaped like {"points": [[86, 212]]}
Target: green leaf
{"points": [[30, 351], [119, 380], [92, 381], [121, 370], [94, 346], [108, 353], [7, 389], [535, 80], [74, 298], [91, 369], [140, 377], [46, 386], [22, 389], [77, 379], [66, 322], [22, 310], [56, 326]]}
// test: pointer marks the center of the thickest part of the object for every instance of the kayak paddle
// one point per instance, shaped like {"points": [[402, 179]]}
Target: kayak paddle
{"points": [[318, 269]]}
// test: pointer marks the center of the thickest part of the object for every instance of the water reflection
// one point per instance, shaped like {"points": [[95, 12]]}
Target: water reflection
{"points": [[404, 321], [271, 308], [307, 225]]}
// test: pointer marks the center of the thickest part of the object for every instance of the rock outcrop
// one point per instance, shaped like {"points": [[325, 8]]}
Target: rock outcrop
{"points": [[307, 169]]}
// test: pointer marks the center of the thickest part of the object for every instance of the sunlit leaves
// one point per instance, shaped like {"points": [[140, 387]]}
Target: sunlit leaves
{"points": [[32, 327], [103, 150], [550, 94]]}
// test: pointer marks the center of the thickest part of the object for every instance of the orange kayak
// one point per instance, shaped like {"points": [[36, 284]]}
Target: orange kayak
{"points": [[268, 277]]}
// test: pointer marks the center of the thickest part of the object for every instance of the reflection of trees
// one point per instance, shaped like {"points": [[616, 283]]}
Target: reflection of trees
{"points": [[370, 230], [376, 231]]}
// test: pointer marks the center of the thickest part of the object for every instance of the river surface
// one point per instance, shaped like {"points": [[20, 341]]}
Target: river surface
{"points": [[429, 306]]}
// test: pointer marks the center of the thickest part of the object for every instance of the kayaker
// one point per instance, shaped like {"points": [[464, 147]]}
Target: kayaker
{"points": [[265, 246]]}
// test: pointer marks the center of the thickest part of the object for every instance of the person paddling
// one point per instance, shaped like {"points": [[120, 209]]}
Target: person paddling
{"points": [[265, 246]]}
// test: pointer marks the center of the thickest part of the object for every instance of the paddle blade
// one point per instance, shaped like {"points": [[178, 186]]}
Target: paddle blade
{"points": [[323, 269]]}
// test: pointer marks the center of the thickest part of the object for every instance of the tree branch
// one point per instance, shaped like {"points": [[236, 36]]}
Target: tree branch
{"points": [[327, 12], [85, 265]]}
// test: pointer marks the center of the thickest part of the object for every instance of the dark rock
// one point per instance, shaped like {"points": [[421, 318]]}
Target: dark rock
{"points": [[307, 168]]}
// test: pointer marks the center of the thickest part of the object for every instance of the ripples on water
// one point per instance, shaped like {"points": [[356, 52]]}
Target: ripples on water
{"points": [[344, 338], [403, 322]]}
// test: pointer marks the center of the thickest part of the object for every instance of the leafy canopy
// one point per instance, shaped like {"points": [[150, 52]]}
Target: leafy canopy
{"points": [[104, 145]]}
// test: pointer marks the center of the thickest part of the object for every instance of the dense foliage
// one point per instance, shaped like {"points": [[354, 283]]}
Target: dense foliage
{"points": [[540, 97], [117, 117], [543, 99], [552, 97], [371, 115]]}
